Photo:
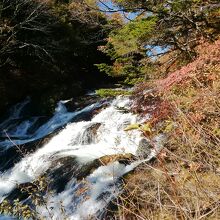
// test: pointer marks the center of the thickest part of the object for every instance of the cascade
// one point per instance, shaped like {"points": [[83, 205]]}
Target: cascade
{"points": [[72, 154]]}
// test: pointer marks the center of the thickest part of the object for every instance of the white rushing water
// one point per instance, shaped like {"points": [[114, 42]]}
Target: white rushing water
{"points": [[60, 118], [85, 141]]}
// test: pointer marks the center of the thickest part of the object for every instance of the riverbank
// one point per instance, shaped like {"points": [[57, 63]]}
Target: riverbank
{"points": [[183, 182], [81, 155]]}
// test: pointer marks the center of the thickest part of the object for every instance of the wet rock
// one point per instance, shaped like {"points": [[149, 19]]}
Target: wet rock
{"points": [[8, 158], [64, 169], [88, 136], [98, 110], [123, 109], [81, 102], [23, 191], [144, 148], [91, 133], [121, 158]]}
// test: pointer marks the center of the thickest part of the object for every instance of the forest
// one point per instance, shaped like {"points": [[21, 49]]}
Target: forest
{"points": [[162, 54]]}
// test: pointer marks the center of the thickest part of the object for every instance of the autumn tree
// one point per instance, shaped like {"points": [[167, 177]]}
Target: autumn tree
{"points": [[48, 45], [158, 28]]}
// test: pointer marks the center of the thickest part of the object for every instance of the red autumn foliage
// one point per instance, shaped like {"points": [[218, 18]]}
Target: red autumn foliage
{"points": [[149, 102], [208, 54], [162, 112]]}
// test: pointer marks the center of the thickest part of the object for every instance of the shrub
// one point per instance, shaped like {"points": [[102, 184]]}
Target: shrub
{"points": [[112, 92]]}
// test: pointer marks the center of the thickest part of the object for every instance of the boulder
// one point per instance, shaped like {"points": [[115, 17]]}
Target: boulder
{"points": [[62, 170], [144, 148], [88, 136], [121, 158]]}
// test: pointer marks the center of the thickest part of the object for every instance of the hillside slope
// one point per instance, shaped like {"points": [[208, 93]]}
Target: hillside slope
{"points": [[183, 183]]}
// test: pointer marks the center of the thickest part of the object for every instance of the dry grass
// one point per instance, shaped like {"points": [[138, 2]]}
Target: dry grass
{"points": [[184, 181]]}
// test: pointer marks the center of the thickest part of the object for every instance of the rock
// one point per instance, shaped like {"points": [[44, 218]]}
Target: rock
{"points": [[62, 170], [123, 109], [121, 158], [144, 148], [12, 155], [23, 191], [94, 128], [88, 136], [81, 102]]}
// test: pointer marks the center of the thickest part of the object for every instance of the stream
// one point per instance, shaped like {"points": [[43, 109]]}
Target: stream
{"points": [[66, 149]]}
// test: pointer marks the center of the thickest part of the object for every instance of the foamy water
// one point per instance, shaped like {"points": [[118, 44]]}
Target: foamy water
{"points": [[85, 141]]}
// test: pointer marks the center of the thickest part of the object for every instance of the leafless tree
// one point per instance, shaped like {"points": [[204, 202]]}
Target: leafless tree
{"points": [[18, 20]]}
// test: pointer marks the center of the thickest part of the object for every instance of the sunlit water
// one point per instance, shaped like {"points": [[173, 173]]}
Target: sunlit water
{"points": [[85, 141]]}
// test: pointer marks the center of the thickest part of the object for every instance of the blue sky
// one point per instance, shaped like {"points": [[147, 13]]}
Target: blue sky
{"points": [[109, 5]]}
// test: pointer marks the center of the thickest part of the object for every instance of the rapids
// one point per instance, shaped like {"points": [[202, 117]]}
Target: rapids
{"points": [[78, 144]]}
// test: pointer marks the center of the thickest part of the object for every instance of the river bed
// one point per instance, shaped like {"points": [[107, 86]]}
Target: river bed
{"points": [[79, 186]]}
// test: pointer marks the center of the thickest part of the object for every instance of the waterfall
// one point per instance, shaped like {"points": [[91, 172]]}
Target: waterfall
{"points": [[21, 135], [84, 142]]}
